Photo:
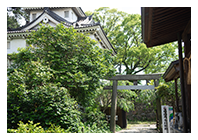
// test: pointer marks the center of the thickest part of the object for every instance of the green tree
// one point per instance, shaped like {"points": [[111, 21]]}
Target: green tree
{"points": [[12, 22], [56, 78], [14, 14], [125, 100], [31, 96], [166, 91], [76, 60], [125, 35]]}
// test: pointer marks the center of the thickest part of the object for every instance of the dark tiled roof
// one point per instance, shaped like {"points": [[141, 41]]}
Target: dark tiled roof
{"points": [[26, 25], [55, 16], [80, 21]]}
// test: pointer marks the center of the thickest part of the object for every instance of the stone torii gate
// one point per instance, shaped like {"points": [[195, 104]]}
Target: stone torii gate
{"points": [[115, 87]]}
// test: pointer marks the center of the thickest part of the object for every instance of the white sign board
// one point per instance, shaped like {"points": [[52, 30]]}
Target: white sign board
{"points": [[167, 118]]}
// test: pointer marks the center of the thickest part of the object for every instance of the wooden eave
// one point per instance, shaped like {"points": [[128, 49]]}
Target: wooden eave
{"points": [[17, 34], [172, 71], [160, 25]]}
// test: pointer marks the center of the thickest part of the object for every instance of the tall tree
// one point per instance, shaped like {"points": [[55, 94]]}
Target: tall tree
{"points": [[12, 22], [14, 14], [124, 32]]}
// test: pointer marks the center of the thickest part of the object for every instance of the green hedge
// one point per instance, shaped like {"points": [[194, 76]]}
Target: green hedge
{"points": [[36, 128]]}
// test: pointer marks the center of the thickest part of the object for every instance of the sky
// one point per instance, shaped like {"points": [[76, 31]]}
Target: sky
{"points": [[129, 10]]}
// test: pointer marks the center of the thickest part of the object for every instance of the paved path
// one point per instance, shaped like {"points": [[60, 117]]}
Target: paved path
{"points": [[140, 128]]}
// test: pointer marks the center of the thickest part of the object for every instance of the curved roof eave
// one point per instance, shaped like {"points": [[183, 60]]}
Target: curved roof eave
{"points": [[50, 13], [78, 10]]}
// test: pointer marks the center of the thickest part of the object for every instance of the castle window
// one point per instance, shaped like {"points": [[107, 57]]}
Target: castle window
{"points": [[8, 45], [66, 14], [33, 16]]}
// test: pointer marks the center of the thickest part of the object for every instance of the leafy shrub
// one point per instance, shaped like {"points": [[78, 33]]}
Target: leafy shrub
{"points": [[30, 127], [77, 62], [35, 128], [32, 98], [57, 73]]}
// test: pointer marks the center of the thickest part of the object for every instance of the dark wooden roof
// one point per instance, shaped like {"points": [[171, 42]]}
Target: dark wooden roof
{"points": [[172, 71], [160, 25]]}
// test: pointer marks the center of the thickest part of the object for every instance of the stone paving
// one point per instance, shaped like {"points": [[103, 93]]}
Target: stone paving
{"points": [[140, 128]]}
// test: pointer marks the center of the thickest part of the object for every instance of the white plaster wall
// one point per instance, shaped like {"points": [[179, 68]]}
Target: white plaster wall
{"points": [[93, 37], [60, 12], [52, 24], [21, 43], [74, 16], [15, 44], [37, 12]]}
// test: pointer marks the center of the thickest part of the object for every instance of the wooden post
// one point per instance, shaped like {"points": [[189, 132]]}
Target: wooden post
{"points": [[113, 107], [181, 73], [176, 95], [158, 104]]}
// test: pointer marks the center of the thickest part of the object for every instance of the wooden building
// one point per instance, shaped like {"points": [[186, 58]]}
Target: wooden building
{"points": [[161, 25]]}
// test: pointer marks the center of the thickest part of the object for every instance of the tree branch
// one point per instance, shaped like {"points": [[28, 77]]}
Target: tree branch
{"points": [[143, 68], [125, 64], [135, 66]]}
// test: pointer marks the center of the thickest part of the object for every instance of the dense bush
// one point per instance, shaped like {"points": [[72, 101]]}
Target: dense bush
{"points": [[35, 128], [78, 63], [42, 102], [55, 80]]}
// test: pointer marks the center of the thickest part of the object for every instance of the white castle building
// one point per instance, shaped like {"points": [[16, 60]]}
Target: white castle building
{"points": [[69, 16]]}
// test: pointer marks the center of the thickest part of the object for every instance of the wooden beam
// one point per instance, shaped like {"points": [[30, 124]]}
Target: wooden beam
{"points": [[108, 88], [136, 87], [113, 107], [137, 77]]}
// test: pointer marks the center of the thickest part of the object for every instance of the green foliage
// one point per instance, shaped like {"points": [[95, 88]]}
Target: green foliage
{"points": [[166, 91], [30, 127], [147, 97], [78, 65], [124, 33], [32, 97], [108, 18], [55, 80], [125, 98], [12, 22], [14, 14], [35, 128]]}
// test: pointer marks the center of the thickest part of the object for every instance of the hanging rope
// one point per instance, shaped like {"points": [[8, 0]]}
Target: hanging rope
{"points": [[189, 69]]}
